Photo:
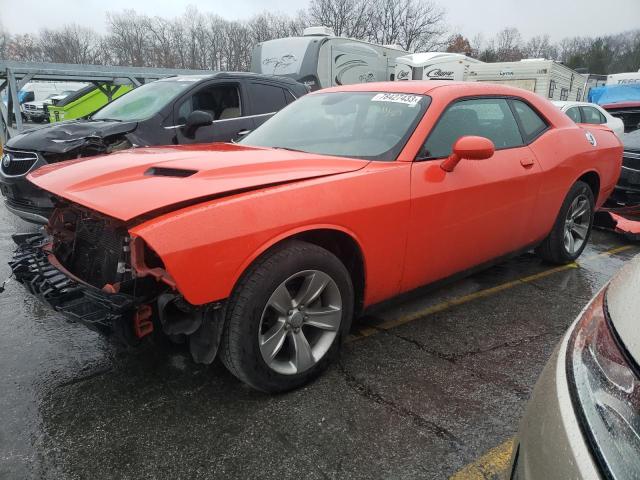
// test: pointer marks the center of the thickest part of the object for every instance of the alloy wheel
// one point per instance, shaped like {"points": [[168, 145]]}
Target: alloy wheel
{"points": [[300, 322], [576, 225]]}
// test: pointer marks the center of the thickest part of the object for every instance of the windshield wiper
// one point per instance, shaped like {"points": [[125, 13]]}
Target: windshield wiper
{"points": [[104, 120], [289, 149]]}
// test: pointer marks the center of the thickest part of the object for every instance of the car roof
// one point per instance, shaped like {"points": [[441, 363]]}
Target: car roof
{"points": [[223, 75], [565, 103], [424, 87]]}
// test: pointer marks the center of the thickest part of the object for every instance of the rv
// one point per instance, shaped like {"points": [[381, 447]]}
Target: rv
{"points": [[547, 78], [319, 59], [593, 81], [623, 78], [433, 66]]}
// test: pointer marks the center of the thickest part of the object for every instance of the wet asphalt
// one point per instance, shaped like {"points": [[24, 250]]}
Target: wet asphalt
{"points": [[419, 400]]}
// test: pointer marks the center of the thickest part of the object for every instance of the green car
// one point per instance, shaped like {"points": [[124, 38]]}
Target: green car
{"points": [[84, 102]]}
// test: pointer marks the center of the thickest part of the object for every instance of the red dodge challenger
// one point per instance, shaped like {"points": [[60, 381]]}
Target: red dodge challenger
{"points": [[265, 250]]}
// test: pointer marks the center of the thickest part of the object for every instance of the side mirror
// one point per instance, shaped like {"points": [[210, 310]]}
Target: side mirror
{"points": [[195, 120], [469, 148]]}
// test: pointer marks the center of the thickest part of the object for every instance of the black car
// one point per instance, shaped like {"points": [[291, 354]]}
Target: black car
{"points": [[181, 110], [627, 191]]}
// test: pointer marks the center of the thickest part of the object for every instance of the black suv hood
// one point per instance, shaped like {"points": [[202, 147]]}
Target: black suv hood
{"points": [[63, 137], [631, 141]]}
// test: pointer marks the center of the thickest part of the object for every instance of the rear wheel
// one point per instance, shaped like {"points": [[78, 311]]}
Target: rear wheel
{"points": [[572, 229], [287, 317]]}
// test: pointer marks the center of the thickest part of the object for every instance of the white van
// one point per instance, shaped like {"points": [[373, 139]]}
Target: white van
{"points": [[547, 78], [433, 66], [319, 59]]}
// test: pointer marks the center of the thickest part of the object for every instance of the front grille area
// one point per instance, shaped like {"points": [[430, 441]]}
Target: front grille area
{"points": [[98, 310], [93, 248], [631, 160], [17, 162], [98, 249]]}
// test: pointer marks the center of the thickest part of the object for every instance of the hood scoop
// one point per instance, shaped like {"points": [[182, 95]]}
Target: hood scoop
{"points": [[169, 172]]}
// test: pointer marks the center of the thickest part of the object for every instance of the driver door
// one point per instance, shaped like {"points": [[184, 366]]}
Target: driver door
{"points": [[482, 209], [224, 102]]}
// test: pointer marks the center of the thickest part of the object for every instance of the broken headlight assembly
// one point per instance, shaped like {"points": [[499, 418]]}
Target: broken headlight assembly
{"points": [[605, 386]]}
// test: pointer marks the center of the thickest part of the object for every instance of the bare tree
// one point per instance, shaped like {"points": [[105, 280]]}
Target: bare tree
{"points": [[508, 45], [70, 44], [540, 46], [25, 48], [422, 26], [348, 18], [129, 37]]}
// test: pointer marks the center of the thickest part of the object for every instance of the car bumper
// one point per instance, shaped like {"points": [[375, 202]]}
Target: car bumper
{"points": [[46, 279], [550, 443], [37, 114], [25, 200]]}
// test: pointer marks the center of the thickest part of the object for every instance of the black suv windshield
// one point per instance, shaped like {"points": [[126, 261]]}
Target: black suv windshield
{"points": [[368, 125], [143, 102]]}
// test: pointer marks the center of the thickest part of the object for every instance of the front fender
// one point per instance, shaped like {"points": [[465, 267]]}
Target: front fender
{"points": [[205, 248]]}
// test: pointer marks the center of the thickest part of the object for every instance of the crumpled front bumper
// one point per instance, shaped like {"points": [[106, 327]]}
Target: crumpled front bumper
{"points": [[39, 272]]}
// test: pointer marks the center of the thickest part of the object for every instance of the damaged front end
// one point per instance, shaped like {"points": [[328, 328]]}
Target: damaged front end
{"points": [[88, 267]]}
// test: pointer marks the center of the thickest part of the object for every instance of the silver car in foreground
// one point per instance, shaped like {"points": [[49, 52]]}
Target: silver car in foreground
{"points": [[583, 419]]}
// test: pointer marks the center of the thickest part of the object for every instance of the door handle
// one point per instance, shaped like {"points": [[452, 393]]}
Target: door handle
{"points": [[243, 132], [526, 162]]}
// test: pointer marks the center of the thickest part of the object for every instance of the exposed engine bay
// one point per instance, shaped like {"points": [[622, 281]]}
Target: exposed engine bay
{"points": [[89, 268]]}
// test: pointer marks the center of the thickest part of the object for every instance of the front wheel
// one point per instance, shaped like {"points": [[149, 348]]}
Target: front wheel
{"points": [[572, 229], [287, 317]]}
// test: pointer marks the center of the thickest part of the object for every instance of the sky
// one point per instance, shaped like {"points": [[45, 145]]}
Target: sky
{"points": [[558, 18]]}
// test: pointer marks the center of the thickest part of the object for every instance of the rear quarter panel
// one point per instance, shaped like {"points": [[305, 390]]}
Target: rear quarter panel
{"points": [[207, 247], [565, 154]]}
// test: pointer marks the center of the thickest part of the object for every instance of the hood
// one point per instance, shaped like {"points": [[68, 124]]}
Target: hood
{"points": [[623, 303], [631, 141], [60, 138], [134, 182]]}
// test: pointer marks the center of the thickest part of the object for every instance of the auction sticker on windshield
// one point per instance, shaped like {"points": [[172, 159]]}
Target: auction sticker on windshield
{"points": [[411, 100]]}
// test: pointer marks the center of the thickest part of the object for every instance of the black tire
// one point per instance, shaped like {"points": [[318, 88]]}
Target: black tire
{"points": [[553, 249], [239, 348]]}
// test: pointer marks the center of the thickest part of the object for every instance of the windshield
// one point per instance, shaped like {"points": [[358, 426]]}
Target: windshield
{"points": [[142, 102], [368, 125]]}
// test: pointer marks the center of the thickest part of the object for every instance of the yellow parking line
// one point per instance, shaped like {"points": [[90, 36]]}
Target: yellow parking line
{"points": [[493, 464], [439, 307]]}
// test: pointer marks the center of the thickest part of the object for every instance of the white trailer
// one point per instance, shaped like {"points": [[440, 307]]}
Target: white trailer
{"points": [[319, 59], [593, 81], [623, 78], [547, 78], [433, 66]]}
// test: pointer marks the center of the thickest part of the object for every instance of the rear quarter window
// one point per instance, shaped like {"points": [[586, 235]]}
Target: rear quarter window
{"points": [[531, 122]]}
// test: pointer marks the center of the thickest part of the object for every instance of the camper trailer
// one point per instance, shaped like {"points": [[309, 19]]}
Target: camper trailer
{"points": [[547, 78], [593, 81], [433, 66], [319, 59], [623, 78]]}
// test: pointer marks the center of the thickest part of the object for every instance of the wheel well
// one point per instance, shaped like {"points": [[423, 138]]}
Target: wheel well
{"points": [[348, 251], [593, 180]]}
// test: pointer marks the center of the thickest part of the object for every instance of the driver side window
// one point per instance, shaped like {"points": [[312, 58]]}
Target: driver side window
{"points": [[221, 101], [485, 117]]}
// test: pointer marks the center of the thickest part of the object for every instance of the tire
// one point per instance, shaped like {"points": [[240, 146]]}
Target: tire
{"points": [[256, 313], [554, 248]]}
